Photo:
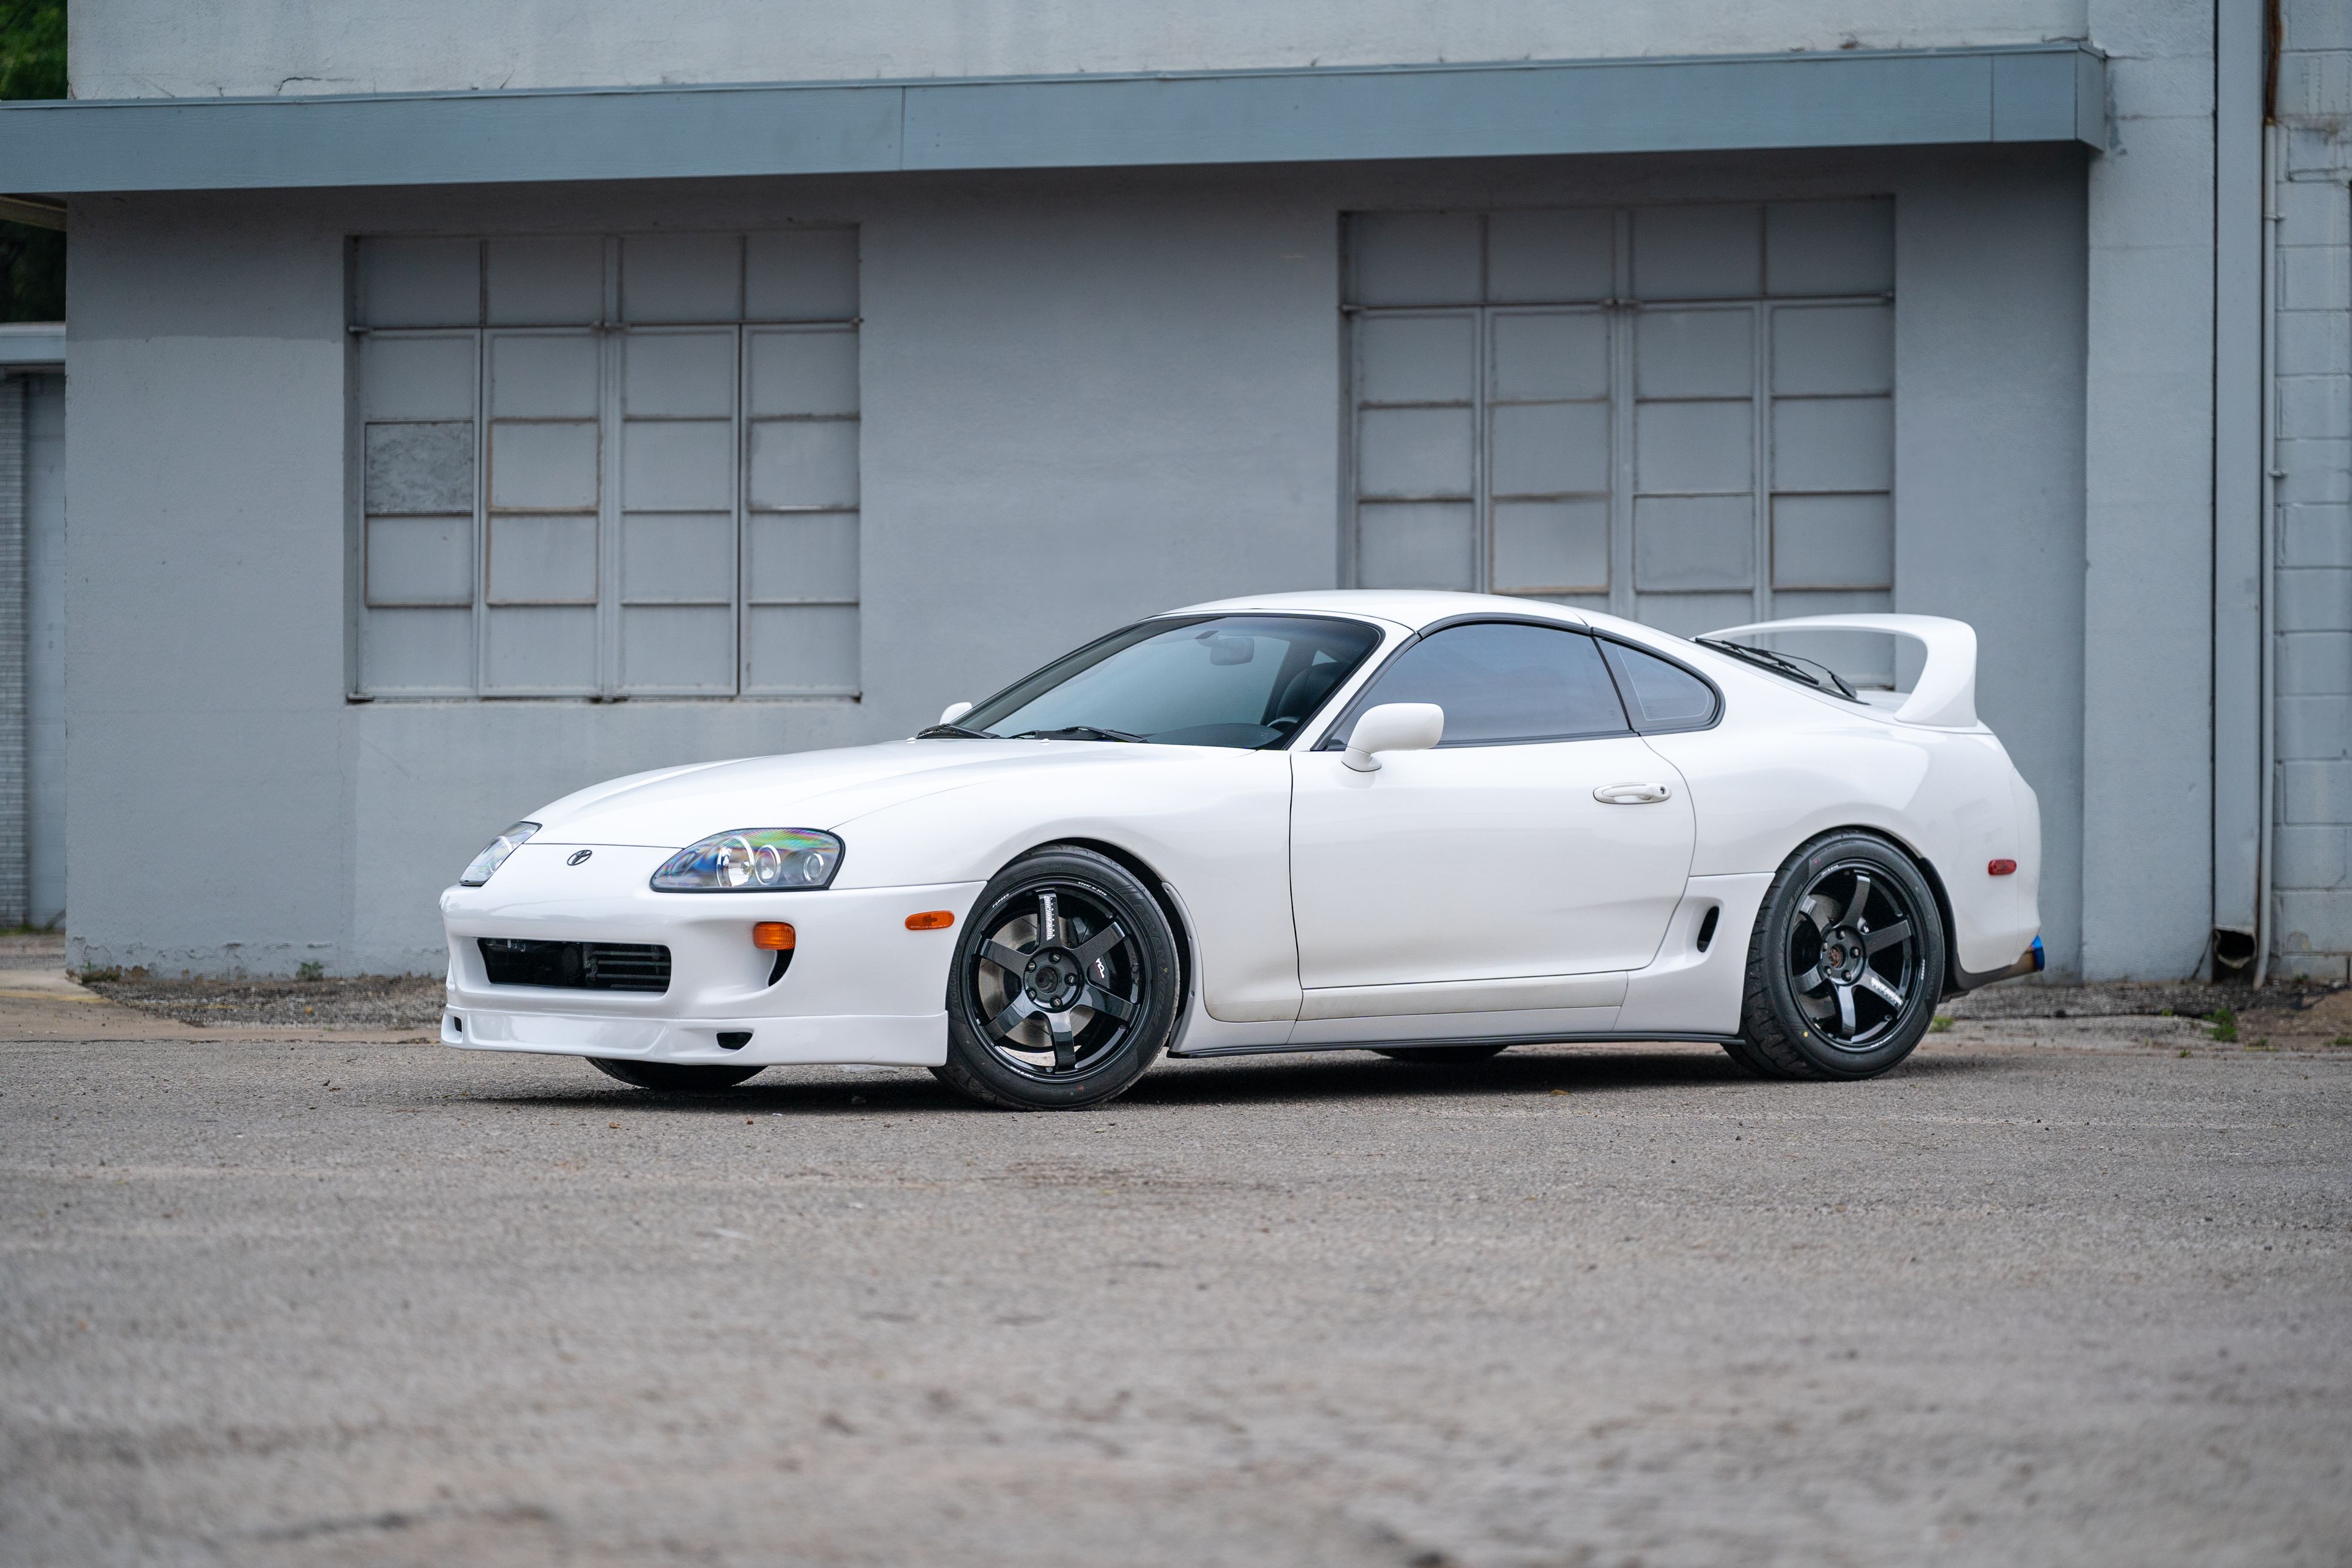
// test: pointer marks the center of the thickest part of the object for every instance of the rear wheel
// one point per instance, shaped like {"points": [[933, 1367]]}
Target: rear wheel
{"points": [[1442, 1055], [677, 1077], [1066, 985], [1846, 964]]}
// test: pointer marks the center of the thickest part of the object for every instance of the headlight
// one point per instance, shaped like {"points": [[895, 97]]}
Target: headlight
{"points": [[752, 860], [494, 855]]}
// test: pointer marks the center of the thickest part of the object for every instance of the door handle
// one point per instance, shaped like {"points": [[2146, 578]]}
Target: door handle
{"points": [[1630, 794]]}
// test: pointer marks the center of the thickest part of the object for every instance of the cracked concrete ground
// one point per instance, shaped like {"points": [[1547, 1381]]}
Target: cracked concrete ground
{"points": [[2054, 1291]]}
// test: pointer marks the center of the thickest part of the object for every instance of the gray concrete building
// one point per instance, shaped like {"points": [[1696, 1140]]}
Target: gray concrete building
{"points": [[469, 403]]}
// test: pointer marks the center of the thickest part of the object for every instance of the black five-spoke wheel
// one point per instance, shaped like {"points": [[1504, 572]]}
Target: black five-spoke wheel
{"points": [[1846, 965], [1064, 986]]}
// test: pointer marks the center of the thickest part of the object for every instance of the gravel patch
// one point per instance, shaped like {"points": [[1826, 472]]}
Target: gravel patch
{"points": [[2185, 998], [376, 1002]]}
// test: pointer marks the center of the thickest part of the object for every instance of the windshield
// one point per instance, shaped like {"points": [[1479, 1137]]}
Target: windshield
{"points": [[1240, 680]]}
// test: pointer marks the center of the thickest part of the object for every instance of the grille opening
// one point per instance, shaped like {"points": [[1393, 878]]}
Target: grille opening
{"points": [[576, 966], [784, 962], [1707, 927], [734, 1038]]}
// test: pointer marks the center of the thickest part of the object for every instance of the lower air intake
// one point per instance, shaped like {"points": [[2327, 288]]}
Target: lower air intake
{"points": [[577, 966]]}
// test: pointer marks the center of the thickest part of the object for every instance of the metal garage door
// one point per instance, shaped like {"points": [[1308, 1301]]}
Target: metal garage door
{"points": [[1684, 415]]}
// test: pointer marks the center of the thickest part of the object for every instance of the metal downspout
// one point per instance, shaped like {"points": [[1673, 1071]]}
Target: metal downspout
{"points": [[2266, 832]]}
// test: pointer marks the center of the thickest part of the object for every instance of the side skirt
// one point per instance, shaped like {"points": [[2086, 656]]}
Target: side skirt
{"points": [[1426, 1044]]}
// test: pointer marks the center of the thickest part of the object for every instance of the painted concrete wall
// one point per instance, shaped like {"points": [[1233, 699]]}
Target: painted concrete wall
{"points": [[2312, 897], [2147, 631], [1083, 400], [178, 48]]}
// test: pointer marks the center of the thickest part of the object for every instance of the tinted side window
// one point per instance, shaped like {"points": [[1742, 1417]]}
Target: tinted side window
{"points": [[1663, 696], [1500, 682]]}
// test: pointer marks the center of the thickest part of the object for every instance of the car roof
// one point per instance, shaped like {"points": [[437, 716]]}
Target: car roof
{"points": [[1417, 608]]}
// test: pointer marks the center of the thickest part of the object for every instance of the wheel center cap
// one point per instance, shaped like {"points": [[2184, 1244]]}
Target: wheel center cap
{"points": [[1843, 954], [1052, 980]]}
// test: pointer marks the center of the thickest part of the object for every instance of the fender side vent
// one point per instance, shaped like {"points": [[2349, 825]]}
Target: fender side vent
{"points": [[1707, 927]]}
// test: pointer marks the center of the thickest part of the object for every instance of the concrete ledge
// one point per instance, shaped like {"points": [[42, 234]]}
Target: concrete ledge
{"points": [[2050, 92]]}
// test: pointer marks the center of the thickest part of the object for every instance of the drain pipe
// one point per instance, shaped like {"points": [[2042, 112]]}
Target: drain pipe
{"points": [[2268, 588]]}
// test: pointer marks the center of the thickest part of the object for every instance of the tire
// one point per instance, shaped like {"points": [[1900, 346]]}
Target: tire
{"points": [[1066, 986], [672, 1077], [1846, 965], [1442, 1055]]}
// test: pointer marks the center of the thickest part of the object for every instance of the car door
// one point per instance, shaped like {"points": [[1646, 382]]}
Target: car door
{"points": [[1540, 837]]}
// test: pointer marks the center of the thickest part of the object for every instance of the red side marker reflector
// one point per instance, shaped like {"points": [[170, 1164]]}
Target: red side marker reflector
{"points": [[773, 935], [2000, 868], [931, 920]]}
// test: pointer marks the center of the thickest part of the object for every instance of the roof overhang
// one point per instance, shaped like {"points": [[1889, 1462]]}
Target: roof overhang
{"points": [[2032, 93]]}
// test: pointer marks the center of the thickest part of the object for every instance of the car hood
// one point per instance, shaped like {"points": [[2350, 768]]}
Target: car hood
{"points": [[673, 807]]}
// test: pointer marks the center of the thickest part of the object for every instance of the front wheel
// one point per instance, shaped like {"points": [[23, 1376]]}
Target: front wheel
{"points": [[1846, 965], [677, 1077], [1066, 985]]}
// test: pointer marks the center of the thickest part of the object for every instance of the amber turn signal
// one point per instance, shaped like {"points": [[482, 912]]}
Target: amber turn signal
{"points": [[2000, 868], [931, 920], [772, 935]]}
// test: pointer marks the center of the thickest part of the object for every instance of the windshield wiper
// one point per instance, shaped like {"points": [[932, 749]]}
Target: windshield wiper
{"points": [[1084, 732], [955, 732], [1788, 665]]}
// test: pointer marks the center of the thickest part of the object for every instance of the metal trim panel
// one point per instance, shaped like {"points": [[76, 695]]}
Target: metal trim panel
{"points": [[33, 345], [1847, 98]]}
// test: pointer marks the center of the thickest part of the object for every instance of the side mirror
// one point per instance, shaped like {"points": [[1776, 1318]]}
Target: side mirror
{"points": [[1392, 727], [953, 712]]}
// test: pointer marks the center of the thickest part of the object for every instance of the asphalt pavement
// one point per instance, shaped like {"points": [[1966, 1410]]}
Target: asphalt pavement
{"points": [[2048, 1294]]}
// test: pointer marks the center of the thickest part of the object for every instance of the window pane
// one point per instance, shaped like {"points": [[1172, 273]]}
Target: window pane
{"points": [[544, 467], [804, 463], [1423, 545], [806, 556], [1417, 358], [418, 651], [1414, 258], [557, 280], [1552, 546], [806, 649], [681, 277], [1664, 696], [420, 560], [677, 648], [1550, 255], [1499, 681], [417, 377], [420, 282], [420, 469], [804, 370]]}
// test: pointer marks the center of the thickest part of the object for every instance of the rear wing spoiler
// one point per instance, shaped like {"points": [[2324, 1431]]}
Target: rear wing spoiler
{"points": [[1944, 696]]}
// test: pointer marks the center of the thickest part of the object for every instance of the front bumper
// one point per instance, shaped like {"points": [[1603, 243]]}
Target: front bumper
{"points": [[921, 1040], [861, 988]]}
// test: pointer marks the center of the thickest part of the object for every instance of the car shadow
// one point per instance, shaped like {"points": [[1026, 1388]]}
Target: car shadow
{"points": [[1272, 1079]]}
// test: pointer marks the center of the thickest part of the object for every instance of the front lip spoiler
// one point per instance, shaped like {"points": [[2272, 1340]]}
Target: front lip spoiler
{"points": [[2032, 961]]}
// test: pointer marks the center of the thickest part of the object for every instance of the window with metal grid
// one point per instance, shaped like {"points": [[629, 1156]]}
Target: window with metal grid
{"points": [[1683, 414], [597, 466]]}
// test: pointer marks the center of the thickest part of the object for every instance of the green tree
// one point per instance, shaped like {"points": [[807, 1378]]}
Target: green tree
{"points": [[32, 65]]}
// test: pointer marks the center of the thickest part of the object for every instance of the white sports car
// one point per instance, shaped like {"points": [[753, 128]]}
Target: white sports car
{"points": [[1432, 825]]}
